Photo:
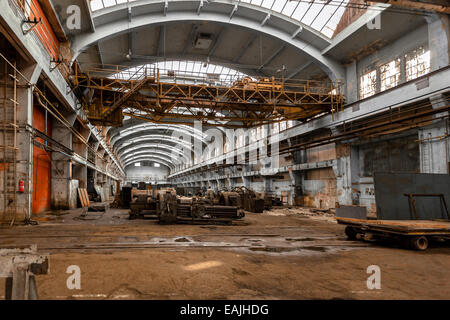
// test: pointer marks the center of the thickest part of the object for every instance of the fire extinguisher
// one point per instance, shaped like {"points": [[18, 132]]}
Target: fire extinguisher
{"points": [[21, 186]]}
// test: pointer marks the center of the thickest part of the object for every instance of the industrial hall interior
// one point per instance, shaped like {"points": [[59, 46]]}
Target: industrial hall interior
{"points": [[224, 149]]}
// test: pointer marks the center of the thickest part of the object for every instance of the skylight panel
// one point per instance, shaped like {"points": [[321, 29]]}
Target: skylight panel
{"points": [[300, 11], [183, 71], [278, 5], [211, 68], [267, 4], [96, 5], [312, 13], [321, 15], [289, 8], [109, 3], [324, 17]]}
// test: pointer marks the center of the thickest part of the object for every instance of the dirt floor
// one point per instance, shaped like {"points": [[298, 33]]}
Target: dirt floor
{"points": [[281, 254]]}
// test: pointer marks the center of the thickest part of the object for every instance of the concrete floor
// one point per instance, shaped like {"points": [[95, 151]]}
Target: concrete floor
{"points": [[281, 254]]}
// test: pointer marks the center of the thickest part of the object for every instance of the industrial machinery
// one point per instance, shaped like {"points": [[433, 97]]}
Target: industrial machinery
{"points": [[169, 208], [142, 204], [146, 203], [201, 210], [250, 200], [271, 200], [123, 198]]}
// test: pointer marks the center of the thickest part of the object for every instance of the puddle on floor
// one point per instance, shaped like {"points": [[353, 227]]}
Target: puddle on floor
{"points": [[319, 249], [183, 239], [273, 249], [127, 239], [301, 239]]}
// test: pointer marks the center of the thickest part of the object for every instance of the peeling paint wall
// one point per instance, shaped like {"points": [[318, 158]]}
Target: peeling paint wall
{"points": [[320, 189]]}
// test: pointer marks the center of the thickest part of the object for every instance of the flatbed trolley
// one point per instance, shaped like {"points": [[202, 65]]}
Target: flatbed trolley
{"points": [[415, 233]]}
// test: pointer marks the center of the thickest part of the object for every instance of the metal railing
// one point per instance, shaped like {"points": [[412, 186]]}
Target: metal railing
{"points": [[239, 80]]}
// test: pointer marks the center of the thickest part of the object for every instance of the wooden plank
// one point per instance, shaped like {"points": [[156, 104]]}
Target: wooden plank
{"points": [[80, 195], [86, 196], [84, 199], [86, 202], [403, 226]]}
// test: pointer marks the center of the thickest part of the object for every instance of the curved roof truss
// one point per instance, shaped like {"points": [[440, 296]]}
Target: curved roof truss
{"points": [[321, 15], [216, 12], [156, 138], [175, 153], [154, 158]]}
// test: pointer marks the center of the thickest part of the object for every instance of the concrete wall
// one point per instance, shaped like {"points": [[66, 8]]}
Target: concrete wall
{"points": [[396, 49]]}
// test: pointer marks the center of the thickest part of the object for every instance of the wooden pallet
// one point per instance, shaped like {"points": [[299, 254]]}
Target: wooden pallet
{"points": [[84, 198]]}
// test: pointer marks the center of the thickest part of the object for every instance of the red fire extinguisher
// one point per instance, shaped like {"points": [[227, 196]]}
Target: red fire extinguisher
{"points": [[21, 186]]}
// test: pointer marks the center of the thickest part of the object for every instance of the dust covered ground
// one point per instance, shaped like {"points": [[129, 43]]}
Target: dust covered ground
{"points": [[282, 254]]}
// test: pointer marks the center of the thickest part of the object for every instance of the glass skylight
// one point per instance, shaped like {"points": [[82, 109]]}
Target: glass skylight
{"points": [[183, 72], [321, 15]]}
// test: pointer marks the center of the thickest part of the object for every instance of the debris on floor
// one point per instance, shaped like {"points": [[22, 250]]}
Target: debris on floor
{"points": [[315, 214]]}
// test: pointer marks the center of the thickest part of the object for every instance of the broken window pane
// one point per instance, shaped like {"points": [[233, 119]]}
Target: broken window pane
{"points": [[276, 127], [390, 74], [417, 63], [368, 86]]}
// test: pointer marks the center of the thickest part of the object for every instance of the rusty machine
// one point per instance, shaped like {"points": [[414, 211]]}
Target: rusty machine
{"points": [[146, 203], [252, 201], [202, 210], [169, 208]]}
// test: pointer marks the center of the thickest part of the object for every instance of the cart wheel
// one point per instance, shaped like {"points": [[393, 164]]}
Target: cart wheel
{"points": [[350, 232], [419, 243]]}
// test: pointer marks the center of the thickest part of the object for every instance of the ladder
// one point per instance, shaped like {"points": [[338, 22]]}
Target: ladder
{"points": [[8, 142], [427, 156]]}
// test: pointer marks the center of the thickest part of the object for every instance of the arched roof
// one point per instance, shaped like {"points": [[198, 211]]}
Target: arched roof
{"points": [[248, 38], [321, 15], [135, 16]]}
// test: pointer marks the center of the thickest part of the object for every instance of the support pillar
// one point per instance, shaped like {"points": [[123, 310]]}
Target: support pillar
{"points": [[64, 188], [343, 173]]}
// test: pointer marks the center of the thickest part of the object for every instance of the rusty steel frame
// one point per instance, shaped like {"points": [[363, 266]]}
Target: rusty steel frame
{"points": [[410, 118], [397, 121], [245, 103]]}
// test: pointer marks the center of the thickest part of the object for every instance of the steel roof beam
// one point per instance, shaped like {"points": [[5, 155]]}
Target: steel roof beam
{"points": [[273, 56], [245, 48], [334, 70]]}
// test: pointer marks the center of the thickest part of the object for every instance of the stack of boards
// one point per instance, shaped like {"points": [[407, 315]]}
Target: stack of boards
{"points": [[85, 203], [84, 198]]}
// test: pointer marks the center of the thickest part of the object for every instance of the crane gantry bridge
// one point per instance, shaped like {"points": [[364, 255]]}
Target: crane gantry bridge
{"points": [[244, 102]]}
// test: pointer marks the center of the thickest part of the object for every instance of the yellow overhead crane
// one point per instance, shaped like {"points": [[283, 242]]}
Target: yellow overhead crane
{"points": [[245, 103]]}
